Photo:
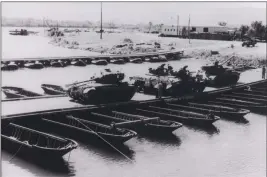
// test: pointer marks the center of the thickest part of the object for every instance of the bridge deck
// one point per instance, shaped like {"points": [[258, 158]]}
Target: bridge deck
{"points": [[38, 105], [45, 104], [98, 56]]}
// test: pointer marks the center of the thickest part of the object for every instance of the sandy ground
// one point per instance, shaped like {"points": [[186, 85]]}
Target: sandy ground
{"points": [[202, 49], [41, 46]]}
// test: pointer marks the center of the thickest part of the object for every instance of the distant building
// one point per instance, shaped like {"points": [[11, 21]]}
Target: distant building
{"points": [[173, 30], [153, 29]]}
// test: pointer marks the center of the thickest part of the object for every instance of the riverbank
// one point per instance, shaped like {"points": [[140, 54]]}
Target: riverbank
{"points": [[89, 43]]}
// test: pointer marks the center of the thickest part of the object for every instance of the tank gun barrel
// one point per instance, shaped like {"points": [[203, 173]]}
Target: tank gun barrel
{"points": [[68, 85]]}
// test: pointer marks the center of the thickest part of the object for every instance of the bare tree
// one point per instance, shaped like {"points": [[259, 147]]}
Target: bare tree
{"points": [[258, 28], [251, 32], [244, 29]]}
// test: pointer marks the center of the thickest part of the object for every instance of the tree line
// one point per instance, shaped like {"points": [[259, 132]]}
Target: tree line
{"points": [[256, 29], [30, 22]]}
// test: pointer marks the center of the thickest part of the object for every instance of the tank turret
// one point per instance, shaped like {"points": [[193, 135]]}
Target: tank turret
{"points": [[220, 76], [108, 76], [159, 71]]}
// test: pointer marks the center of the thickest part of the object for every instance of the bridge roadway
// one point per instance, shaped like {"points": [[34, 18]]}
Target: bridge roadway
{"points": [[28, 106], [97, 56], [49, 104]]}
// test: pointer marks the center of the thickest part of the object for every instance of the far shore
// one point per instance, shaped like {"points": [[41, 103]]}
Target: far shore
{"points": [[89, 44]]}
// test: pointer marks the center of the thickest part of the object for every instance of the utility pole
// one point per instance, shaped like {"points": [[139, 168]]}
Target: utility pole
{"points": [[189, 29], [177, 25], [101, 23], [44, 25]]}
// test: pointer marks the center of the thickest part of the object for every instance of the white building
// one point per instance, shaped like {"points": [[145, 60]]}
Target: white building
{"points": [[173, 30]]}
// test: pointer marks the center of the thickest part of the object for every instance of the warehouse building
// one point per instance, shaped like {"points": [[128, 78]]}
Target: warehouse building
{"points": [[174, 30]]}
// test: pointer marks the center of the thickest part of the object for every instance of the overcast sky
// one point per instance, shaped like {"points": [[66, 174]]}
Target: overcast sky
{"points": [[202, 13]]}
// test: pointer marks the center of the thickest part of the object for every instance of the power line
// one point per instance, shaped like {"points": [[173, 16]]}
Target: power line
{"points": [[101, 23], [189, 29]]}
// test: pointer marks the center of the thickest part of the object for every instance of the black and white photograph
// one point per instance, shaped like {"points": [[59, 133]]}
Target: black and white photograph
{"points": [[133, 89]]}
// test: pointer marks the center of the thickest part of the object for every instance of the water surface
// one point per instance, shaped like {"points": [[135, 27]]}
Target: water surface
{"points": [[228, 149]]}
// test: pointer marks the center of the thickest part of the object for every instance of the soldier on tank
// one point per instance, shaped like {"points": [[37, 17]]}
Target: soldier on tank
{"points": [[170, 68], [160, 89], [263, 72], [184, 73], [160, 70], [216, 64]]}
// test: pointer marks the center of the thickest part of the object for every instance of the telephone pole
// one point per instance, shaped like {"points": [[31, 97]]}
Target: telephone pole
{"points": [[189, 29], [101, 23], [177, 25]]}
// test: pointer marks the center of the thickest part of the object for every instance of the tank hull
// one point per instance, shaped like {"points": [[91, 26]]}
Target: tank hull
{"points": [[178, 89], [212, 70], [102, 94], [224, 80]]}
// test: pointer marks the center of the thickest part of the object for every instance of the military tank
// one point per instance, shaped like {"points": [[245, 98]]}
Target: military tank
{"points": [[220, 76], [171, 86], [106, 88], [173, 82], [161, 70]]}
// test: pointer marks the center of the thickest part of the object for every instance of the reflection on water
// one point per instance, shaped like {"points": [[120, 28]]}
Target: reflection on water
{"points": [[164, 140], [109, 153], [214, 148], [59, 167], [241, 120], [210, 130]]}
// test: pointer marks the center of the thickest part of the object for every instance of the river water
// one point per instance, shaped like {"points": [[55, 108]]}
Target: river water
{"points": [[228, 149]]}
